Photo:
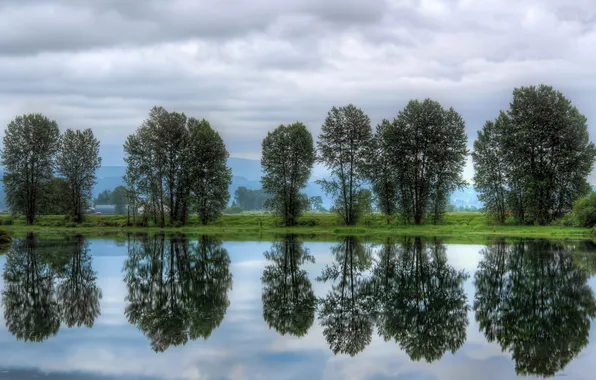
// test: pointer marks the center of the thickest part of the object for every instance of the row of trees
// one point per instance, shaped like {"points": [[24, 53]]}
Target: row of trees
{"points": [[412, 162], [35, 155], [534, 159]]}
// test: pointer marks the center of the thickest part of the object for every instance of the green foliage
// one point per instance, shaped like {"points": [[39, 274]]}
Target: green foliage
{"points": [[233, 210], [287, 159], [538, 152], [77, 161], [584, 211], [30, 145], [490, 169], [343, 147], [176, 164], [210, 176], [316, 203], [5, 237], [56, 198], [250, 199], [381, 173], [426, 146]]}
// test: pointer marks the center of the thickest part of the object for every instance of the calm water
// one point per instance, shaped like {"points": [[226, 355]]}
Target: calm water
{"points": [[153, 308]]}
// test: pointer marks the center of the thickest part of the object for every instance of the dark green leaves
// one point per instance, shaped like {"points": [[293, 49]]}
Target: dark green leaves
{"points": [[287, 159]]}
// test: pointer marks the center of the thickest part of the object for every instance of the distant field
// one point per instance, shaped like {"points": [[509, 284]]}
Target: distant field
{"points": [[319, 226]]}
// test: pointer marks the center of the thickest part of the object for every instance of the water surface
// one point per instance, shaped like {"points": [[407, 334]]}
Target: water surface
{"points": [[200, 308]]}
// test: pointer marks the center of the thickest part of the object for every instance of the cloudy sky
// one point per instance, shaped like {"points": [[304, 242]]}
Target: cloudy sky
{"points": [[248, 66]]}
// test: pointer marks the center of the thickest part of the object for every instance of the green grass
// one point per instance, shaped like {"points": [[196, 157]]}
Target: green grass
{"points": [[461, 226]]}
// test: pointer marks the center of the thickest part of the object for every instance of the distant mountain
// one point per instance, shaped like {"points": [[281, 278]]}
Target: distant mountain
{"points": [[247, 173]]}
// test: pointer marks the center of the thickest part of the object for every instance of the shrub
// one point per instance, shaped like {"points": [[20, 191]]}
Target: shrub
{"points": [[233, 210], [308, 222], [584, 211], [5, 237]]}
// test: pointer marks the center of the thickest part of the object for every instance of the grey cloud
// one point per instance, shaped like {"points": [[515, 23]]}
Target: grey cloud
{"points": [[62, 25]]}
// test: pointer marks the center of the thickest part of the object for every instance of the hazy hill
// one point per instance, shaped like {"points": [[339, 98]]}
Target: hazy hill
{"points": [[247, 173]]}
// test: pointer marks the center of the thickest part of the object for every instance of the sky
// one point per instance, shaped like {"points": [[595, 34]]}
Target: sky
{"points": [[249, 66]]}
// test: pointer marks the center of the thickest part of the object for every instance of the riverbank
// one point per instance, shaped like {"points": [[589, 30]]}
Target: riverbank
{"points": [[472, 226]]}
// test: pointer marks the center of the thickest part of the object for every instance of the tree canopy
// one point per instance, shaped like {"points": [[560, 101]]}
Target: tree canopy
{"points": [[343, 148], [287, 158], [537, 155], [30, 145]]}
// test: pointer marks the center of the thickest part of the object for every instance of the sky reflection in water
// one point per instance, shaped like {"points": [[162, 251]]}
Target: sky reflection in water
{"points": [[201, 308]]}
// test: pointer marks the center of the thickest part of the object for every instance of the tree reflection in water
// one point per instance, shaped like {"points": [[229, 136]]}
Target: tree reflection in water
{"points": [[289, 302], [534, 300], [420, 299], [177, 289], [47, 282], [347, 311]]}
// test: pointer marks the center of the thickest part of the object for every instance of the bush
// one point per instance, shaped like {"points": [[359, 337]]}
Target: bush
{"points": [[5, 237], [584, 211], [308, 223], [233, 210]]}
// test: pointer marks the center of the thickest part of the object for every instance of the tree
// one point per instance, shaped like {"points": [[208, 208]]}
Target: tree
{"points": [[287, 159], [118, 197], [289, 302], [427, 146], [545, 152], [343, 147], [30, 146], [210, 175], [316, 203], [535, 301], [490, 169], [104, 198], [77, 160], [382, 174], [347, 311], [55, 198], [175, 164], [250, 199], [421, 298]]}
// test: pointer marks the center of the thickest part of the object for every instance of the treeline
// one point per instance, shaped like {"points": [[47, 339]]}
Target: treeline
{"points": [[531, 162]]}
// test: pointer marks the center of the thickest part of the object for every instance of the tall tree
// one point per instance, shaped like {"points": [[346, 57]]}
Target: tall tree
{"points": [[427, 144], [546, 153], [77, 161], [382, 174], [343, 146], [287, 159], [30, 146], [210, 175], [490, 169]]}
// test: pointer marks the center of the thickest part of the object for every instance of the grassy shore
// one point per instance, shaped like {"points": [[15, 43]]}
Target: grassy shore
{"points": [[464, 227]]}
